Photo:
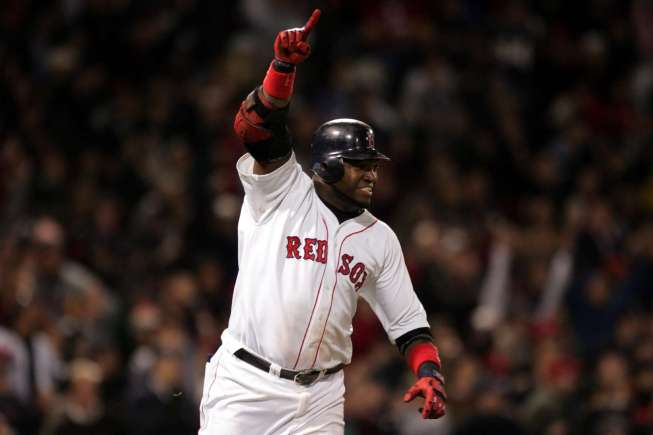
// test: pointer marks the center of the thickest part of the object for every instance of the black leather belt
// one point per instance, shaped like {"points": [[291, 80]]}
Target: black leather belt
{"points": [[302, 377]]}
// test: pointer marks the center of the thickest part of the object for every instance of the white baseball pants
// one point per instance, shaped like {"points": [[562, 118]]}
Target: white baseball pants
{"points": [[239, 399]]}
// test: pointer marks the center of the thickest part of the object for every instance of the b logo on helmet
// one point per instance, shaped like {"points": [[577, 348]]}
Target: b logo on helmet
{"points": [[370, 140]]}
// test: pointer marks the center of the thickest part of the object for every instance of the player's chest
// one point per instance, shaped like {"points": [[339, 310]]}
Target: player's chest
{"points": [[346, 253]]}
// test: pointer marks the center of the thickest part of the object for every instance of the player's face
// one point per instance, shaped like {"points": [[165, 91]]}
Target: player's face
{"points": [[359, 180]]}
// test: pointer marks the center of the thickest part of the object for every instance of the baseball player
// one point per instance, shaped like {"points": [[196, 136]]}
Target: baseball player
{"points": [[307, 249]]}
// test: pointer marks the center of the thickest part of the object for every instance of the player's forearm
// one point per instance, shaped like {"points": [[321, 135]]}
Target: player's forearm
{"points": [[278, 84], [275, 94], [276, 102], [422, 356], [421, 352], [262, 129], [418, 348], [413, 344]]}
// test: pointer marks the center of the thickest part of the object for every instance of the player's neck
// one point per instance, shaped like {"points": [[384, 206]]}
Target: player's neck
{"points": [[340, 204]]}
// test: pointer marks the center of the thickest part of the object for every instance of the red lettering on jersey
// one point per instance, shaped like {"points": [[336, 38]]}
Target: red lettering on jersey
{"points": [[294, 244], [308, 249], [344, 268], [356, 272], [293, 247], [322, 251], [360, 283]]}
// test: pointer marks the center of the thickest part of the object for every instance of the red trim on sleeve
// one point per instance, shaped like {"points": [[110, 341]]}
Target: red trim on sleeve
{"points": [[278, 84], [420, 353]]}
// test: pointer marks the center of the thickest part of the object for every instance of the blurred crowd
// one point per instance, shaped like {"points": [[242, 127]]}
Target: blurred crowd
{"points": [[521, 137]]}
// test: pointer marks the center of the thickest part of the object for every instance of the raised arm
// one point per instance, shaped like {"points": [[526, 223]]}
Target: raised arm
{"points": [[261, 120]]}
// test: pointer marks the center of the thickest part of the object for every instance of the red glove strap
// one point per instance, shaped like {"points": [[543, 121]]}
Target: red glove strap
{"points": [[278, 84], [420, 353]]}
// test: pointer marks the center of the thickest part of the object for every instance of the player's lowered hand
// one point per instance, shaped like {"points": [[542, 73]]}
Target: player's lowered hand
{"points": [[432, 390], [291, 45]]}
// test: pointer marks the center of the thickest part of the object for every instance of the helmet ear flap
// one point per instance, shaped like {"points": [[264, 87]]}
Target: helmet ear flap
{"points": [[330, 170]]}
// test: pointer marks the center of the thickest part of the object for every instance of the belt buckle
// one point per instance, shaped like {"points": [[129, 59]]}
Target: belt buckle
{"points": [[308, 376]]}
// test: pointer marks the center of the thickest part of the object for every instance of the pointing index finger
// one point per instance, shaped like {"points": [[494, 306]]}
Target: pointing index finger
{"points": [[311, 23]]}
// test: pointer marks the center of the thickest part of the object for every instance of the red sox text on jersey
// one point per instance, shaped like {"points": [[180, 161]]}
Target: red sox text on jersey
{"points": [[317, 250]]}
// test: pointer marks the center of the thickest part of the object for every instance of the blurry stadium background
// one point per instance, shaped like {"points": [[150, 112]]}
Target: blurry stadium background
{"points": [[520, 187]]}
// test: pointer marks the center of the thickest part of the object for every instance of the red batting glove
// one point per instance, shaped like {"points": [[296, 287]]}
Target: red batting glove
{"points": [[291, 45], [434, 396]]}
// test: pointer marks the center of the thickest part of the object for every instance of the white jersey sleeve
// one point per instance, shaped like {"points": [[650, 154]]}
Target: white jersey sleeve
{"points": [[264, 193], [392, 297]]}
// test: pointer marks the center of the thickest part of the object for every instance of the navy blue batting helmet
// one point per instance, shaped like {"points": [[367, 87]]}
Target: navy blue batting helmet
{"points": [[340, 139]]}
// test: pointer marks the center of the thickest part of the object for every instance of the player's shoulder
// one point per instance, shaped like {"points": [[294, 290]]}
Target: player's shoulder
{"points": [[378, 226], [245, 167], [382, 236], [290, 173]]}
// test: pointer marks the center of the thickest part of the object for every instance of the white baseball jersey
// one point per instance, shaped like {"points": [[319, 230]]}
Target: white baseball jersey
{"points": [[301, 272]]}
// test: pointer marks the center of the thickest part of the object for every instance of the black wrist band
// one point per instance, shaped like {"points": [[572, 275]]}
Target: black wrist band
{"points": [[430, 369], [282, 66]]}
